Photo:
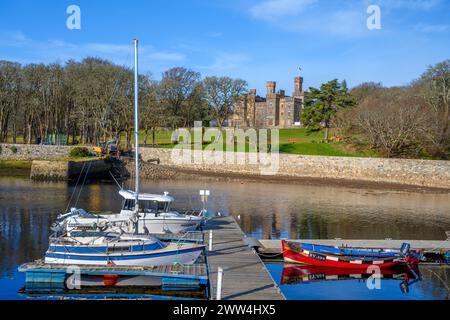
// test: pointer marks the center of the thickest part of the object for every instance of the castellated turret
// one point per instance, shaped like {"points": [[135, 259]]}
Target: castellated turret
{"points": [[298, 84], [271, 86]]}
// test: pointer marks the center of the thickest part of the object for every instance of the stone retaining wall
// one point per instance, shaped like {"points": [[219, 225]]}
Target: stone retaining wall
{"points": [[427, 173], [66, 170], [30, 152]]}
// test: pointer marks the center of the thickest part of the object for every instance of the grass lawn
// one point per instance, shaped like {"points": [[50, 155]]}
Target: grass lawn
{"points": [[293, 141], [300, 141]]}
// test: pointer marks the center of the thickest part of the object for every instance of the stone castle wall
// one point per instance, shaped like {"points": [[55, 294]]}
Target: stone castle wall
{"points": [[426, 173]]}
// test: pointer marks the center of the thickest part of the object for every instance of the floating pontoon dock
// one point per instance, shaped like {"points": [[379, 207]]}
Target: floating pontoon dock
{"points": [[244, 274], [41, 272]]}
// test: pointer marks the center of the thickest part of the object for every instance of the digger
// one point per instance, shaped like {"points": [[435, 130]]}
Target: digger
{"points": [[106, 149]]}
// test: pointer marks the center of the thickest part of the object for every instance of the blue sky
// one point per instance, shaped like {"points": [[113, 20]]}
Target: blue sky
{"points": [[256, 40]]}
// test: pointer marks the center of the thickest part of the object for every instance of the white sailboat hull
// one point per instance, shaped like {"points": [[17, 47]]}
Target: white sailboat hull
{"points": [[161, 226], [186, 255]]}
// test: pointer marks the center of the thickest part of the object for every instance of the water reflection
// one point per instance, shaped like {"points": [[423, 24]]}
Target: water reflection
{"points": [[27, 209], [309, 282]]}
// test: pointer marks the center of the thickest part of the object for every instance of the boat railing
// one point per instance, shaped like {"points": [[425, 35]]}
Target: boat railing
{"points": [[190, 212]]}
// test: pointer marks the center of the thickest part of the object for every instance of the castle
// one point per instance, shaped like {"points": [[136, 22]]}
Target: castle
{"points": [[275, 110]]}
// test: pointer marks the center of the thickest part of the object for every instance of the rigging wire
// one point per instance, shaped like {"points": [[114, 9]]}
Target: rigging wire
{"points": [[84, 181], [76, 185]]}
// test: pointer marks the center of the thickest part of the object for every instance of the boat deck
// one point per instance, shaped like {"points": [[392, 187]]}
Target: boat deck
{"points": [[245, 276], [188, 237]]}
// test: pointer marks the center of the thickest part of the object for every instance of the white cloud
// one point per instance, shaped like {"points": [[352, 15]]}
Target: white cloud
{"points": [[410, 4], [167, 56], [226, 61], [108, 48], [432, 28], [57, 50], [346, 20], [274, 9]]}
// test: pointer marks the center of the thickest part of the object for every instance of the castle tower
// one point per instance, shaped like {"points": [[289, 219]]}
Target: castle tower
{"points": [[251, 109], [271, 86], [272, 105], [298, 84]]}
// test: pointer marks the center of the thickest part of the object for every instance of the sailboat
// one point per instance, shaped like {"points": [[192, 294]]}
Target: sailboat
{"points": [[119, 249], [108, 243], [153, 211]]}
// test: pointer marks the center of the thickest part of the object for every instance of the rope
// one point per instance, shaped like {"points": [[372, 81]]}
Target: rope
{"points": [[84, 181], [76, 185], [120, 187], [443, 282], [274, 255]]}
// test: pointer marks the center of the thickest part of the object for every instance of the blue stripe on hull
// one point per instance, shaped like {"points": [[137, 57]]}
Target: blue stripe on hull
{"points": [[66, 256], [348, 251], [102, 249]]}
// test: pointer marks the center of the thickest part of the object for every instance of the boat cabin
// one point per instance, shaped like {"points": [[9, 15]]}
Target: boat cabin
{"points": [[148, 203]]}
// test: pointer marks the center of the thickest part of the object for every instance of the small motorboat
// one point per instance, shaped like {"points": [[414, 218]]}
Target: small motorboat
{"points": [[347, 258], [155, 216], [119, 249]]}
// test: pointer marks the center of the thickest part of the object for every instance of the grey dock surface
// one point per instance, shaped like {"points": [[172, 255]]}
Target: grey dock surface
{"points": [[245, 276]]}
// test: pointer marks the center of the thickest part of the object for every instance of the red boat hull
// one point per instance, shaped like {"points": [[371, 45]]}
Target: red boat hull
{"points": [[303, 274], [297, 255]]}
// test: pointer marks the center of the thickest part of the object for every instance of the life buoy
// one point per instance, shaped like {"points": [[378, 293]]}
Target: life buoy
{"points": [[110, 280]]}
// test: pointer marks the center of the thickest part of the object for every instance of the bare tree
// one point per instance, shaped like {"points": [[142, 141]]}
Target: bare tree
{"points": [[434, 86], [10, 88], [176, 91], [221, 93], [393, 122]]}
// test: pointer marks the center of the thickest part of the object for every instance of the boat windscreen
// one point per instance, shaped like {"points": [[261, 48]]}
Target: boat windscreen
{"points": [[147, 206]]}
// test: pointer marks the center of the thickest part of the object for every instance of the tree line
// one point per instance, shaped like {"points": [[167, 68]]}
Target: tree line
{"points": [[406, 121], [91, 100]]}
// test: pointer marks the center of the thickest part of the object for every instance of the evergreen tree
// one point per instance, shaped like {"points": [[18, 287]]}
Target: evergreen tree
{"points": [[322, 104]]}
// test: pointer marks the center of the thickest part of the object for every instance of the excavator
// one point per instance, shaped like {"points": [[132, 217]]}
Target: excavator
{"points": [[107, 149]]}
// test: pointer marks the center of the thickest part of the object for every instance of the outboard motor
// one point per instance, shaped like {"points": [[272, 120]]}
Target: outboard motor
{"points": [[405, 249], [412, 259], [411, 256]]}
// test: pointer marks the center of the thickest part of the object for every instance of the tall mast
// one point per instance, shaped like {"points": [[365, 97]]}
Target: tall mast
{"points": [[136, 129]]}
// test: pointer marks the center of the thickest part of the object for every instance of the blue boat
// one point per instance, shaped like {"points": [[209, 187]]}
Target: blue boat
{"points": [[351, 251]]}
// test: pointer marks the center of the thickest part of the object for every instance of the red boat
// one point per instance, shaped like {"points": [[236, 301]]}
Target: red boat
{"points": [[323, 256]]}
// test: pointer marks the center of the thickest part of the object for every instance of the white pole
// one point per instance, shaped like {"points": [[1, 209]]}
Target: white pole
{"points": [[219, 283], [210, 244], [136, 131]]}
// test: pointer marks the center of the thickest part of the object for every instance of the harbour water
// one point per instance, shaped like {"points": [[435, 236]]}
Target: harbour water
{"points": [[264, 210]]}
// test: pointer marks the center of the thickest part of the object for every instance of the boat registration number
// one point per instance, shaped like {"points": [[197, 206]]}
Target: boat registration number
{"points": [[317, 256]]}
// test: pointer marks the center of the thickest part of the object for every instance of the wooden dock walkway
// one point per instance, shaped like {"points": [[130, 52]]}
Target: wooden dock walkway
{"points": [[245, 276]]}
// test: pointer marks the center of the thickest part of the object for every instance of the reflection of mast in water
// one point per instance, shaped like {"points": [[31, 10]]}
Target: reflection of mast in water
{"points": [[95, 202]]}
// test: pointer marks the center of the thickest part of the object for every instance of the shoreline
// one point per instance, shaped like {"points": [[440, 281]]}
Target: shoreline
{"points": [[164, 172], [16, 168]]}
